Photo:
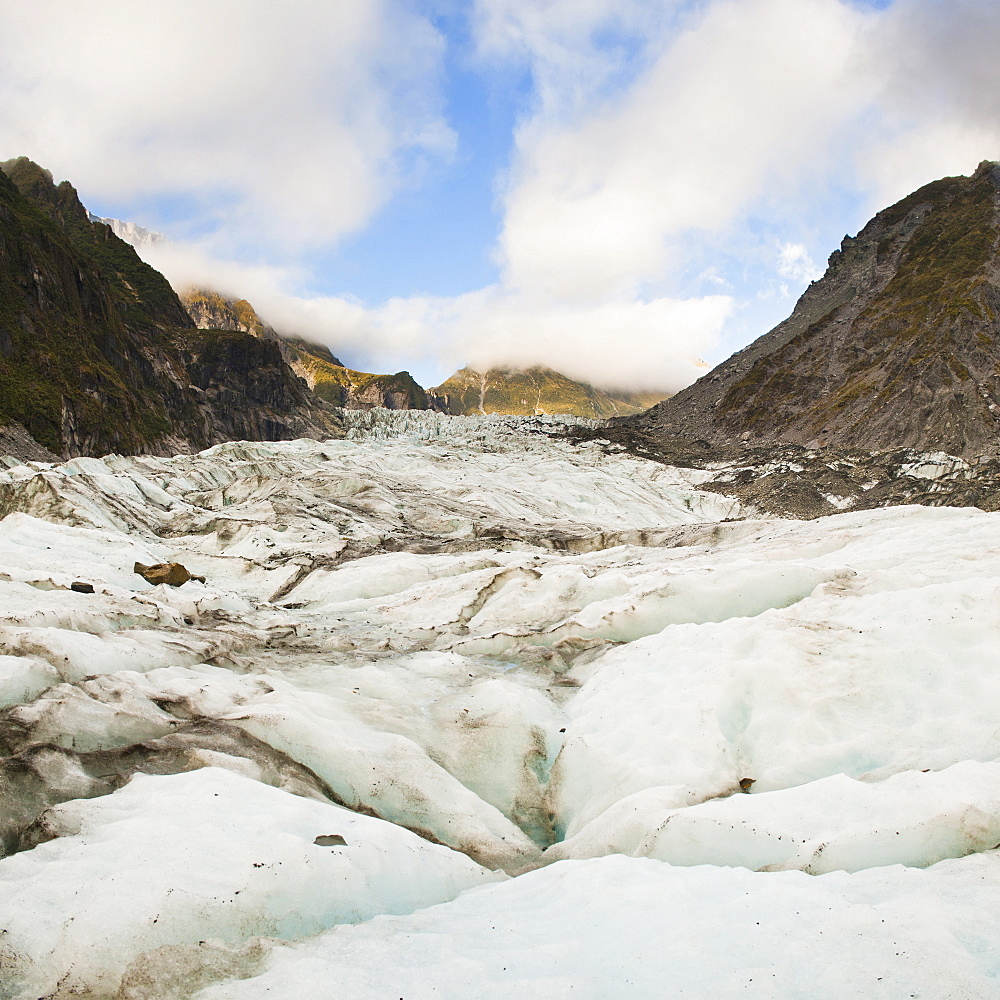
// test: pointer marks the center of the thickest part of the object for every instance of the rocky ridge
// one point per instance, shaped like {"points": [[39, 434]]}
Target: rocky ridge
{"points": [[534, 391], [895, 346], [97, 353]]}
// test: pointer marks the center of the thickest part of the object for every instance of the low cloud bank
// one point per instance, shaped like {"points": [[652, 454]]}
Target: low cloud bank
{"points": [[616, 344]]}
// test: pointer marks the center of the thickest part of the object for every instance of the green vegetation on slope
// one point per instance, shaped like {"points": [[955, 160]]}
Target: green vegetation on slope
{"points": [[144, 297], [76, 308], [342, 386]]}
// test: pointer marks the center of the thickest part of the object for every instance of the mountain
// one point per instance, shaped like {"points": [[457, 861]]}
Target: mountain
{"points": [[326, 375], [133, 234], [534, 391], [514, 391], [211, 311], [355, 390], [895, 346], [97, 354]]}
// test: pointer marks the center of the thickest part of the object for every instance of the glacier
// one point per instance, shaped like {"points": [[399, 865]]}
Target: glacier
{"points": [[464, 709]]}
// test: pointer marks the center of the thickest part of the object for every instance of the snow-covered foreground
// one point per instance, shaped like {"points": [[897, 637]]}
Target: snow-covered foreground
{"points": [[474, 716]]}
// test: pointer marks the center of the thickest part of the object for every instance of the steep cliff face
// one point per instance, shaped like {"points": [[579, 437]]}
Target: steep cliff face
{"points": [[247, 391], [898, 345], [356, 390], [326, 375], [534, 391], [211, 311], [95, 345]]}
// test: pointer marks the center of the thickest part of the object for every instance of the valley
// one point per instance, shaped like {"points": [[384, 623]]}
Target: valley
{"points": [[510, 687]]}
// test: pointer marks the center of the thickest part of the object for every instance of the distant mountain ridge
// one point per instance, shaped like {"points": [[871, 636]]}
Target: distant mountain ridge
{"points": [[133, 234], [515, 391], [530, 391], [897, 345], [535, 391]]}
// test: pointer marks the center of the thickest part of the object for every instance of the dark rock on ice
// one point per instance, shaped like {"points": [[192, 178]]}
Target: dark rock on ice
{"points": [[171, 573]]}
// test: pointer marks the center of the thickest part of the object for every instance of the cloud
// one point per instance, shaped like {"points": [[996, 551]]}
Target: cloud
{"points": [[621, 343], [285, 123], [668, 150], [738, 98], [935, 80], [795, 263]]}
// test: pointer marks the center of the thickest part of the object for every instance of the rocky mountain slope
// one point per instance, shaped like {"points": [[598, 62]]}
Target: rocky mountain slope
{"points": [[326, 375], [97, 354], [898, 345], [533, 391]]}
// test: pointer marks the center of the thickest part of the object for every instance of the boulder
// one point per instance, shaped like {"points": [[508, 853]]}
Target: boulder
{"points": [[172, 573]]}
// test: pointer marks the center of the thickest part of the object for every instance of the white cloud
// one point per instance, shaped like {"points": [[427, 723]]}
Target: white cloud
{"points": [[277, 122], [935, 78], [795, 263], [619, 343], [616, 343], [743, 97]]}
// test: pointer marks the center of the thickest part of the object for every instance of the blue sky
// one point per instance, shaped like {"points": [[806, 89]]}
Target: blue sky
{"points": [[617, 189], [436, 236]]}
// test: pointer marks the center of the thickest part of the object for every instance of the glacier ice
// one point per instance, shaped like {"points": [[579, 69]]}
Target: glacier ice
{"points": [[473, 650], [174, 860], [632, 927]]}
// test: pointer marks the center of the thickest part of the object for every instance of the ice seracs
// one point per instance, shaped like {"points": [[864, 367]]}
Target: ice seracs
{"points": [[479, 656]]}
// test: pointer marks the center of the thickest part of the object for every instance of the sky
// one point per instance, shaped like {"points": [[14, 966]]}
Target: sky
{"points": [[620, 189]]}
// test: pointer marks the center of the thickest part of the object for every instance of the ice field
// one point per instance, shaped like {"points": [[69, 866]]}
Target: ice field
{"points": [[465, 711]]}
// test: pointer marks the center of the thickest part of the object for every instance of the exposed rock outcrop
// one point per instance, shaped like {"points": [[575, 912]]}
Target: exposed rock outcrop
{"points": [[898, 345], [171, 573], [325, 374], [97, 353], [211, 311]]}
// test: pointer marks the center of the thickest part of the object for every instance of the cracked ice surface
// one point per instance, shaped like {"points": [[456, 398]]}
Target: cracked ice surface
{"points": [[470, 651]]}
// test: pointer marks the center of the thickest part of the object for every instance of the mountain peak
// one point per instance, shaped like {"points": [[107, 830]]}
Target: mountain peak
{"points": [[535, 391], [895, 346], [37, 185]]}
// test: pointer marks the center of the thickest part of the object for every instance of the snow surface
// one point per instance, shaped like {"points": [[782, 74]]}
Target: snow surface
{"points": [[528, 684]]}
